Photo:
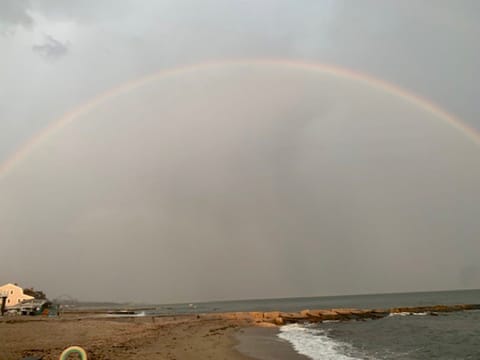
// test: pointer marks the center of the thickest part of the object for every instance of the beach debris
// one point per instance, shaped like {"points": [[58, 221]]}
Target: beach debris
{"points": [[3, 301], [73, 350]]}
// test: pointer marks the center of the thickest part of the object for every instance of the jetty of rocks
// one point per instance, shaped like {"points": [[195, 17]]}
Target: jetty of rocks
{"points": [[276, 318]]}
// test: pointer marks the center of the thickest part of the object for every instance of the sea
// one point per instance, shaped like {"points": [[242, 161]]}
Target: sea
{"points": [[447, 336], [422, 336]]}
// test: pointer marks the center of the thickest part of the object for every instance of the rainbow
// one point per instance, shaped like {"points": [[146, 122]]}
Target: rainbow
{"points": [[36, 140]]}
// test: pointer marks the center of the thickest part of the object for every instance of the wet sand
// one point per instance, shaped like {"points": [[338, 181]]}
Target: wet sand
{"points": [[263, 343], [128, 338]]}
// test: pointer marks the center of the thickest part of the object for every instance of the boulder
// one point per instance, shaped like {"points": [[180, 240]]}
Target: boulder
{"points": [[267, 324], [256, 315], [271, 315], [293, 317], [328, 315]]}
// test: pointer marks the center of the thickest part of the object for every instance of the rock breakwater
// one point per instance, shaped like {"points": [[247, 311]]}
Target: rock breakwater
{"points": [[273, 318]]}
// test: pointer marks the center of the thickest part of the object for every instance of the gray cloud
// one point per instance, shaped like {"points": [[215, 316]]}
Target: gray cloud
{"points": [[279, 178], [14, 12], [51, 48]]}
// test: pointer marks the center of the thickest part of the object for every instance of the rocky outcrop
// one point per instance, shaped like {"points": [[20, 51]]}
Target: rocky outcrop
{"points": [[436, 308], [311, 316]]}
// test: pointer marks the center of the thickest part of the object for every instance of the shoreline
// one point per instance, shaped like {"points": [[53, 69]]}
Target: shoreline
{"points": [[237, 336], [184, 337], [263, 343]]}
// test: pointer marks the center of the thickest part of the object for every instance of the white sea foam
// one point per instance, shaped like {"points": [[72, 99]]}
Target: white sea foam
{"points": [[315, 343], [138, 314], [400, 314], [408, 314]]}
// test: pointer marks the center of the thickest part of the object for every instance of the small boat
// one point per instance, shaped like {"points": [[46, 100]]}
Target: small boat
{"points": [[122, 312]]}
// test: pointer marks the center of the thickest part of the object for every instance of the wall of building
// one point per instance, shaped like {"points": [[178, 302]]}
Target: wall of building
{"points": [[14, 294]]}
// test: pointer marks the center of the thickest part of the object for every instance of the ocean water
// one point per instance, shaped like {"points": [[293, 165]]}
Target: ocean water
{"points": [[422, 336], [370, 301], [326, 302], [448, 336]]}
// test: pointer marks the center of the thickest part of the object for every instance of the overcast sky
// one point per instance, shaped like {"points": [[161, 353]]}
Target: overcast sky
{"points": [[239, 181]]}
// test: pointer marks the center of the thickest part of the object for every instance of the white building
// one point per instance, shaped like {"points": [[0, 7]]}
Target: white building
{"points": [[14, 294]]}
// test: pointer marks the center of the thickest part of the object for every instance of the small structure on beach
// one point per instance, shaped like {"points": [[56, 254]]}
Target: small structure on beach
{"points": [[32, 307], [14, 295], [3, 300]]}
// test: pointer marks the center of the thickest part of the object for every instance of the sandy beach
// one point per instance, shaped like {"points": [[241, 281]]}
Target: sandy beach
{"points": [[236, 336], [113, 338]]}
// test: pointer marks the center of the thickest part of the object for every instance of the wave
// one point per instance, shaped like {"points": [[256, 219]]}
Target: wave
{"points": [[408, 314], [314, 343]]}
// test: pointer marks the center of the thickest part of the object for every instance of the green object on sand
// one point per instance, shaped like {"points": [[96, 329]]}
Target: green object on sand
{"points": [[74, 350]]}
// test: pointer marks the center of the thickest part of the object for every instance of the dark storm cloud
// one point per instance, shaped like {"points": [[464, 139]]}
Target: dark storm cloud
{"points": [[15, 12]]}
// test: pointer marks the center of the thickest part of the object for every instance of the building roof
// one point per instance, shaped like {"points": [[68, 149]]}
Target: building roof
{"points": [[10, 285]]}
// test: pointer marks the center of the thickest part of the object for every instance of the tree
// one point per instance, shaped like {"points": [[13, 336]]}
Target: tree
{"points": [[37, 294]]}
